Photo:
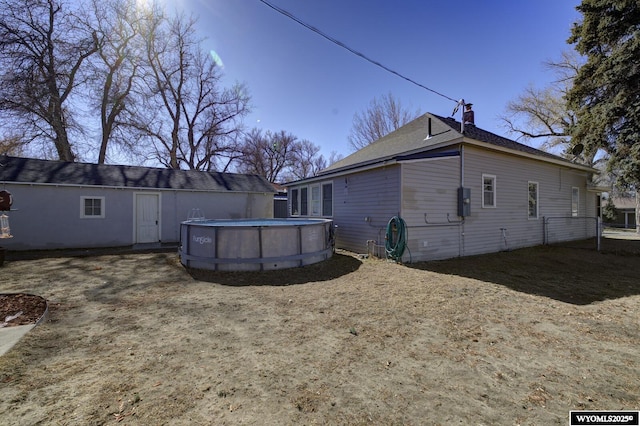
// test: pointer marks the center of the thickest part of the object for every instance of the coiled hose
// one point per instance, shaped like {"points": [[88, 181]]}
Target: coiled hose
{"points": [[395, 246]]}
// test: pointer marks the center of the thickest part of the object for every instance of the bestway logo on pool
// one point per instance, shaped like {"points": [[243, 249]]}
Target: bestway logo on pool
{"points": [[202, 239]]}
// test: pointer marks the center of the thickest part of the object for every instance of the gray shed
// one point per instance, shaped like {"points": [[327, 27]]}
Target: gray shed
{"points": [[77, 205], [459, 193]]}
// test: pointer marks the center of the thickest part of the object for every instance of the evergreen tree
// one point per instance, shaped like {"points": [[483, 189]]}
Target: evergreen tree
{"points": [[606, 91]]}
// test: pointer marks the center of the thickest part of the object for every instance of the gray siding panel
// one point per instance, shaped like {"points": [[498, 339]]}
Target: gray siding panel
{"points": [[48, 216], [424, 192], [483, 228], [429, 205], [363, 205]]}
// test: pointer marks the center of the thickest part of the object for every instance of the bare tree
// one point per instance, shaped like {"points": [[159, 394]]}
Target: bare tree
{"points": [[540, 113], [543, 113], [118, 25], [306, 160], [334, 157], [214, 122], [383, 116], [280, 156], [182, 110], [11, 145], [42, 48], [268, 154]]}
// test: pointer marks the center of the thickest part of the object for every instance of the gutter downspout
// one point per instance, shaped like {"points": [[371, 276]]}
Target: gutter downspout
{"points": [[461, 165], [461, 228]]}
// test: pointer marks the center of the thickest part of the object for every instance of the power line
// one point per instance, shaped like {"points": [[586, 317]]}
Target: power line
{"points": [[355, 52]]}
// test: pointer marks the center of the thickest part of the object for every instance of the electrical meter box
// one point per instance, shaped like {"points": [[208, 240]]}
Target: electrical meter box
{"points": [[464, 202]]}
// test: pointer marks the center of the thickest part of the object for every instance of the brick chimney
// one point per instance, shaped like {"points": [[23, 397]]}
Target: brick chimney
{"points": [[468, 116]]}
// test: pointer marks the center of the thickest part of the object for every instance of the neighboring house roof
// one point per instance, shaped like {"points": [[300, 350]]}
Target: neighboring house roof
{"points": [[29, 170], [624, 203], [279, 187], [411, 139]]}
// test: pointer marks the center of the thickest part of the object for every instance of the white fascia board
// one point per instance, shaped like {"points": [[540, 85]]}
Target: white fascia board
{"points": [[558, 161], [133, 188]]}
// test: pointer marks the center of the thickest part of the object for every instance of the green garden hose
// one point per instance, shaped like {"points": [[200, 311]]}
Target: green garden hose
{"points": [[396, 238]]}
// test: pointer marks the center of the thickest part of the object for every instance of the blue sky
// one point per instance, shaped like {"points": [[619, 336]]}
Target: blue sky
{"points": [[486, 52]]}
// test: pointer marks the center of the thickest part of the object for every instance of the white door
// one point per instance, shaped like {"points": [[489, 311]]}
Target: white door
{"points": [[147, 218]]}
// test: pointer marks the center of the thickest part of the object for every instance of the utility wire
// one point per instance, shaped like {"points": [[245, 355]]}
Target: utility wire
{"points": [[355, 52]]}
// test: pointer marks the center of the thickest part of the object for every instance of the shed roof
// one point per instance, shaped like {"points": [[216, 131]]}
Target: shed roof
{"points": [[445, 131], [30, 170]]}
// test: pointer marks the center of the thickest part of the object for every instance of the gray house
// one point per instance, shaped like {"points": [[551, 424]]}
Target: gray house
{"points": [[77, 205], [459, 193], [625, 208]]}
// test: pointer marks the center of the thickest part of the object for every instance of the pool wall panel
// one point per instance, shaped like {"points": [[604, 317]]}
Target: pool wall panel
{"points": [[251, 245]]}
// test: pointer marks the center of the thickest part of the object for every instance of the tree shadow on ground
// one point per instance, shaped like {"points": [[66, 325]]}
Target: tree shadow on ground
{"points": [[572, 273], [332, 268]]}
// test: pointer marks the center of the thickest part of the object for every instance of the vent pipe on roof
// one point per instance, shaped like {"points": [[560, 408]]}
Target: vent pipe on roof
{"points": [[429, 134]]}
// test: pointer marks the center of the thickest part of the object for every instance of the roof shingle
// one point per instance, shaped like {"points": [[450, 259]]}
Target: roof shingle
{"points": [[411, 139], [29, 170]]}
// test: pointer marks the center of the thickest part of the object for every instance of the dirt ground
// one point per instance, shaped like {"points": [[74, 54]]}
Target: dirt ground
{"points": [[514, 338]]}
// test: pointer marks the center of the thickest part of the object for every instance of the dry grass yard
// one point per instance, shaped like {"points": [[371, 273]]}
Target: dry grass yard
{"points": [[514, 338]]}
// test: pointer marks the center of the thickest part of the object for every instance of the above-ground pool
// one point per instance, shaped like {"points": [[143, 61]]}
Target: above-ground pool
{"points": [[255, 244]]}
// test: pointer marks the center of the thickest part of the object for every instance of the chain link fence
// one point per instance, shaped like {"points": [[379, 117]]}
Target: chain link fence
{"points": [[568, 229]]}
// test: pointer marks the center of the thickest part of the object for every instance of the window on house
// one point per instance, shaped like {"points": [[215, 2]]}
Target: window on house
{"points": [[488, 191], [295, 205], [92, 207], [533, 200], [315, 200], [575, 198], [327, 199], [304, 201]]}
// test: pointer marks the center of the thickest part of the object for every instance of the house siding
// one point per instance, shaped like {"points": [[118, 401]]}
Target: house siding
{"points": [[429, 206], [363, 203], [430, 203], [374, 195], [482, 230], [420, 181], [507, 225]]}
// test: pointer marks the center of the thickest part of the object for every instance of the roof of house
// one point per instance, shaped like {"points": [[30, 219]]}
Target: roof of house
{"points": [[412, 139], [624, 203], [29, 170]]}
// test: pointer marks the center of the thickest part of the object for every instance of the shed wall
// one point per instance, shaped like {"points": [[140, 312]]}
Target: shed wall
{"points": [[48, 216]]}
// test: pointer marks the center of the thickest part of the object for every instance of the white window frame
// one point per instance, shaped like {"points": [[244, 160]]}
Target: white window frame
{"points": [[537, 199], [315, 198], [494, 192], [575, 201], [315, 202], [83, 215]]}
